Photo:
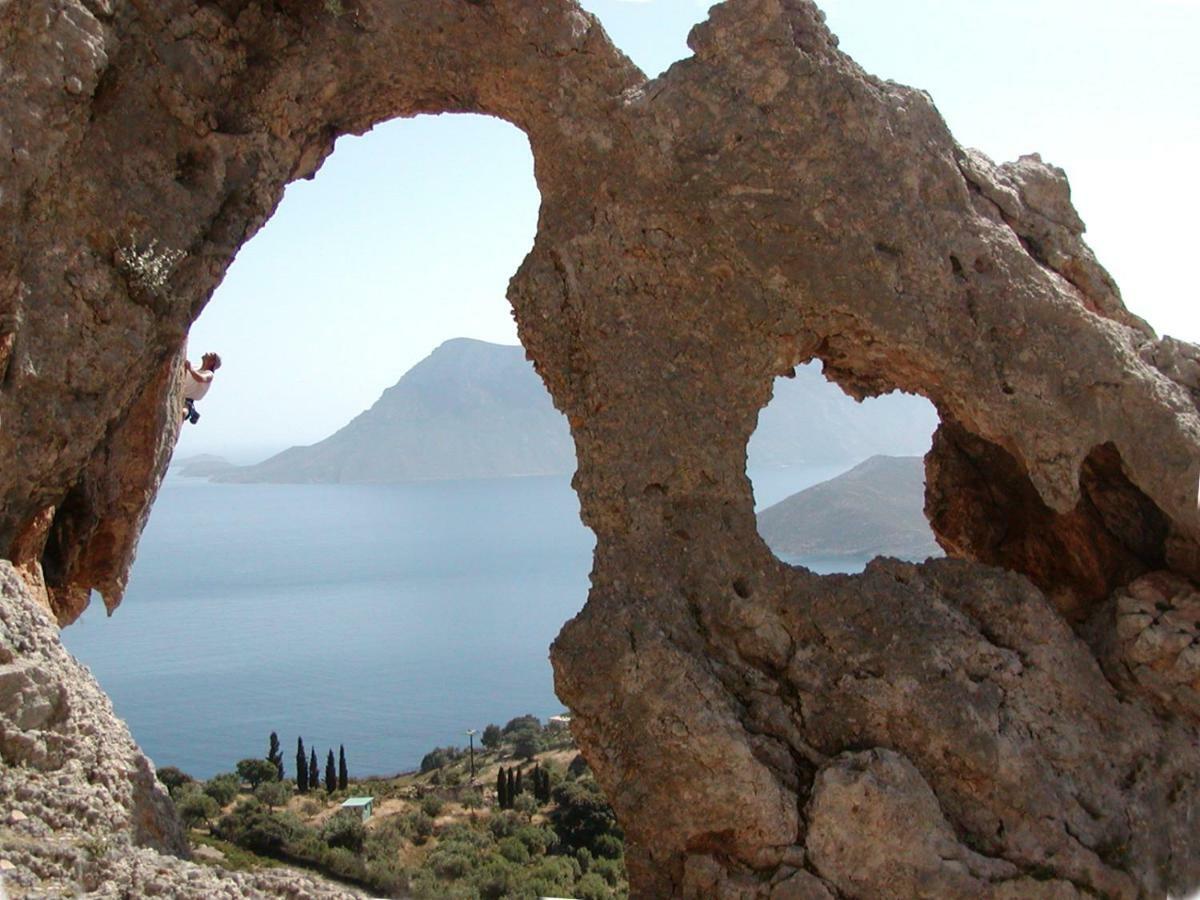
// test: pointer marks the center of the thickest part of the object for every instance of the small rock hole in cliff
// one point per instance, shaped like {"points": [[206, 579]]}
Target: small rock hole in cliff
{"points": [[369, 539], [838, 482]]}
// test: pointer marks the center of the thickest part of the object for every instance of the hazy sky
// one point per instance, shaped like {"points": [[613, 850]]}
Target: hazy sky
{"points": [[408, 236]]}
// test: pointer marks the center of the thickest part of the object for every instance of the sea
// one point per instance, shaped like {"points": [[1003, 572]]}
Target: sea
{"points": [[388, 619]]}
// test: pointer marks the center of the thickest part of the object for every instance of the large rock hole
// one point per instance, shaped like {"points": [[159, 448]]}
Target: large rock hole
{"points": [[838, 482]]}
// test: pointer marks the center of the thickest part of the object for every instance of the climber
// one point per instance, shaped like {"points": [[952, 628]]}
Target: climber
{"points": [[197, 384]]}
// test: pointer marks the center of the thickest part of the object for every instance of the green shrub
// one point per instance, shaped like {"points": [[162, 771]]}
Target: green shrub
{"points": [[174, 779], [608, 846], [496, 879], [491, 737], [536, 840], [387, 877], [346, 831], [307, 846], [196, 808], [553, 876], [522, 723], [592, 887], [274, 793], [525, 804], [420, 826], [439, 757], [503, 824], [471, 799], [345, 863], [223, 788], [581, 814], [431, 806], [254, 827], [585, 859], [424, 885], [459, 833], [256, 771], [611, 870], [527, 743], [451, 863], [563, 871], [398, 827], [512, 849], [383, 841]]}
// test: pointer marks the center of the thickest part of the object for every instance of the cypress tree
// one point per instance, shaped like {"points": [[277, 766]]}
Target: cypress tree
{"points": [[545, 794], [330, 774], [501, 789], [275, 755], [520, 784], [343, 774], [511, 793], [301, 767], [314, 774]]}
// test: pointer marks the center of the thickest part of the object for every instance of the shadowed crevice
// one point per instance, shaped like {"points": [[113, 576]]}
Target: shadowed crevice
{"points": [[983, 507]]}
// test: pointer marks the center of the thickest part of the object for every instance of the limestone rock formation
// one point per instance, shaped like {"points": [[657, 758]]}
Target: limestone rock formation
{"points": [[763, 203]]}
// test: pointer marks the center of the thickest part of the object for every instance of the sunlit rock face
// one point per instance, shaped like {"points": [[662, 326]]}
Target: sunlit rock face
{"points": [[762, 204]]}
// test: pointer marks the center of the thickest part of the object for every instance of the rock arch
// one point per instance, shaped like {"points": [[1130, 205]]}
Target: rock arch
{"points": [[760, 731]]}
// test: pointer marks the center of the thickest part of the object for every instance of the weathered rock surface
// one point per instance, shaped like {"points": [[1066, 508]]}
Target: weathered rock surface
{"points": [[761, 204], [1147, 637], [876, 830]]}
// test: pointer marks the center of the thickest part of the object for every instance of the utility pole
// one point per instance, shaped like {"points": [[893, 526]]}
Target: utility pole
{"points": [[471, 732]]}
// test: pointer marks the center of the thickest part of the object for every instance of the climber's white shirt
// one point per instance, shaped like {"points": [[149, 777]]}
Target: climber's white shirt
{"points": [[193, 389]]}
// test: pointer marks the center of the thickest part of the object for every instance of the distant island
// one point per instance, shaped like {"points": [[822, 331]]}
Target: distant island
{"points": [[203, 465], [473, 409], [877, 508]]}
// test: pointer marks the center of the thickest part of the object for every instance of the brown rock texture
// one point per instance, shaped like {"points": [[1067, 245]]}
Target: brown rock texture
{"points": [[760, 731]]}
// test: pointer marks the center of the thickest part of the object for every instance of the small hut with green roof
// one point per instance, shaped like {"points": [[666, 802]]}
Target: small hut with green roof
{"points": [[359, 806]]}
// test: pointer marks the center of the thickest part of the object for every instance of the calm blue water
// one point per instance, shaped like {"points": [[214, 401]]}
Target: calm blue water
{"points": [[389, 618]]}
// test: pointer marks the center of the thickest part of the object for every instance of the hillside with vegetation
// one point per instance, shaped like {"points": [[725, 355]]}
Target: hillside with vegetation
{"points": [[529, 822]]}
